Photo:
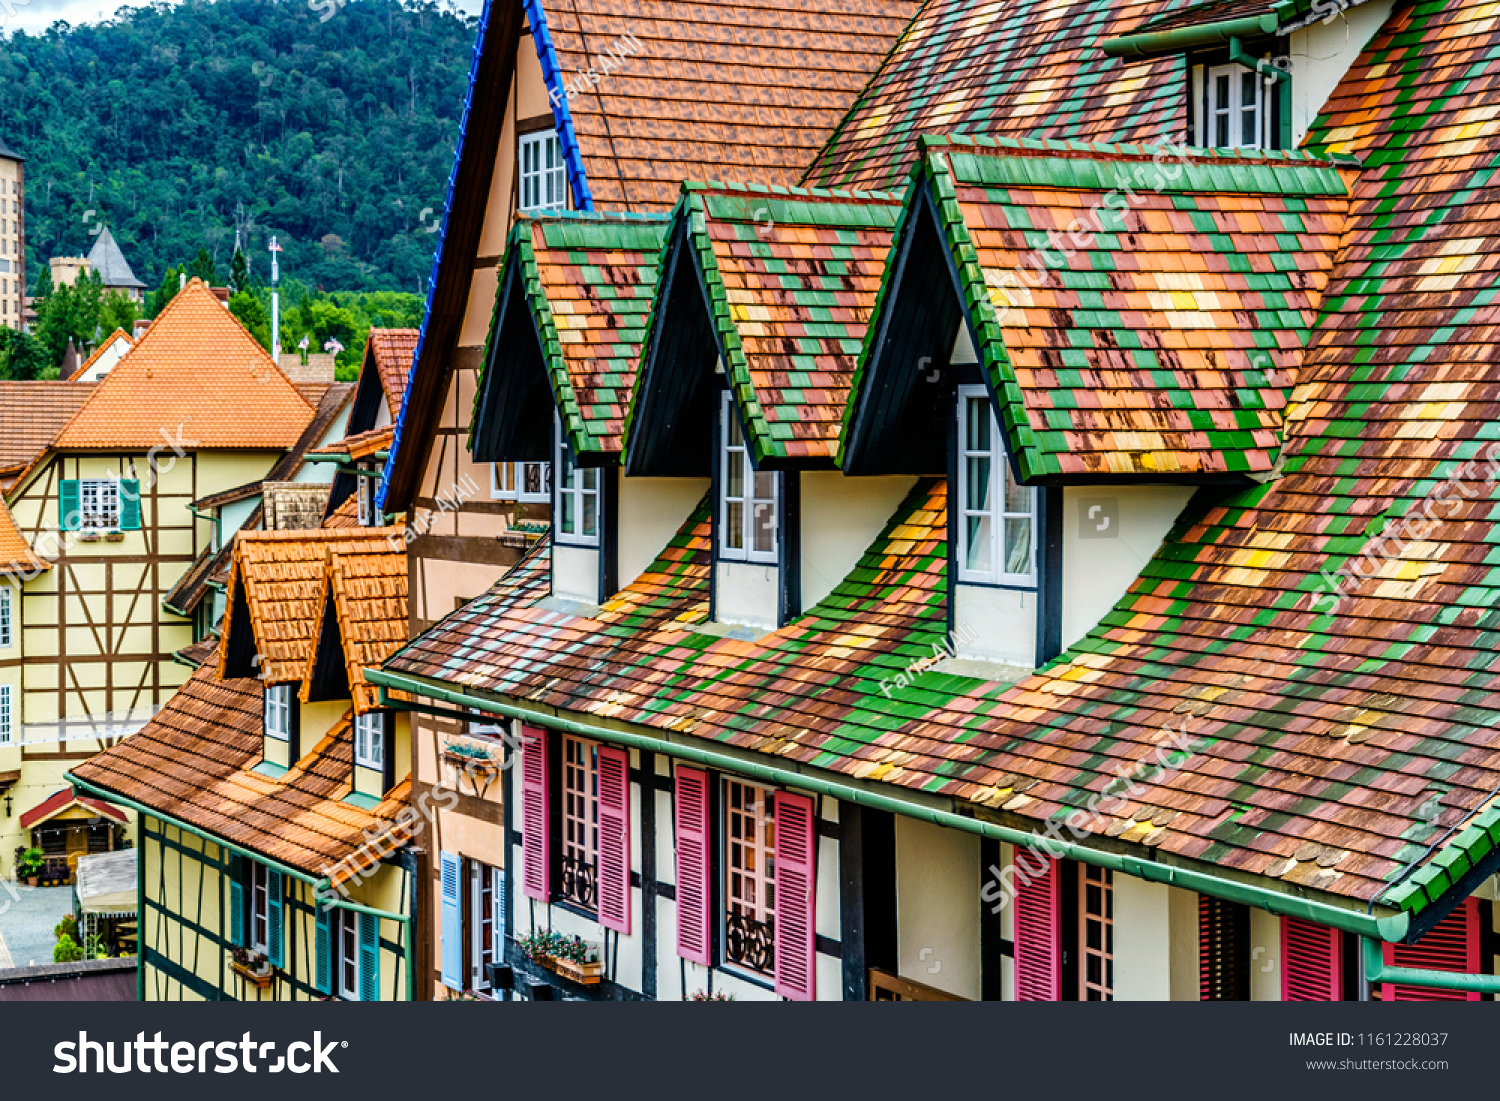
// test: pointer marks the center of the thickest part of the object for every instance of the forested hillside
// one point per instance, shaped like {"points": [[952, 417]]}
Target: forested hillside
{"points": [[332, 128]]}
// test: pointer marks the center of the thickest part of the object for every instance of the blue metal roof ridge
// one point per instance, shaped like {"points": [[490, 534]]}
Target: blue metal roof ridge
{"points": [[557, 94]]}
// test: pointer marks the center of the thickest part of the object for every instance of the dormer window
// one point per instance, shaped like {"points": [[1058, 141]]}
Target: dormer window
{"points": [[366, 496], [747, 497], [369, 740], [278, 712], [544, 179], [997, 516], [523, 482], [576, 515], [1233, 108]]}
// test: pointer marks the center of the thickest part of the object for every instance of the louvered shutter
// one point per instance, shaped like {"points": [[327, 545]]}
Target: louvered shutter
{"points": [[237, 901], [796, 865], [369, 958], [613, 864], [500, 889], [1312, 964], [69, 506], [1223, 950], [1450, 945], [536, 844], [323, 948], [274, 937], [692, 838], [130, 504], [1038, 947], [451, 968]]}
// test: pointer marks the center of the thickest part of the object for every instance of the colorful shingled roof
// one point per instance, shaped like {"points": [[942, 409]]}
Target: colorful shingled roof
{"points": [[715, 90], [194, 761], [791, 276], [393, 351], [1004, 68], [197, 372], [367, 589], [1137, 312]]}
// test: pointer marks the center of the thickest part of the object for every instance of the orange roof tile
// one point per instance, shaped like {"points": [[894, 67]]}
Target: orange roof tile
{"points": [[368, 591], [360, 445], [104, 346], [31, 416], [15, 553], [393, 351], [195, 373]]}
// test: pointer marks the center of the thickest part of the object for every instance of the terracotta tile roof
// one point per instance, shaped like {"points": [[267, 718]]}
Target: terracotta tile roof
{"points": [[194, 762], [360, 445], [714, 90], [393, 351], [199, 653], [31, 416], [183, 597], [1167, 341], [368, 591], [282, 575], [1004, 68], [16, 555], [195, 367], [589, 280], [345, 516], [104, 346]]}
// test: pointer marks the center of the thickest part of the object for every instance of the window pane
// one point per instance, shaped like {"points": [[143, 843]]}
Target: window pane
{"points": [[732, 431], [977, 420], [1249, 116], [765, 527], [1018, 546], [979, 483], [734, 462], [1017, 496], [978, 543], [590, 514], [1221, 131], [734, 525]]}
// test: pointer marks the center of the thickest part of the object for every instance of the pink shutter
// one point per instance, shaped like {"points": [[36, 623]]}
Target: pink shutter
{"points": [[1312, 963], [536, 845], [692, 865], [796, 863], [1038, 948], [614, 838], [1450, 945]]}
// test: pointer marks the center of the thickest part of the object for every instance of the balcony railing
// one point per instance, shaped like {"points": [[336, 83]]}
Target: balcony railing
{"points": [[578, 884], [750, 943]]}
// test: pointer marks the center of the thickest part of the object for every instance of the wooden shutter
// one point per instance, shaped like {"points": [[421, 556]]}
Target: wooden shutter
{"points": [[323, 947], [536, 844], [693, 847], [796, 865], [369, 958], [1450, 945], [130, 504], [613, 858], [1223, 950], [237, 923], [1312, 962], [451, 968], [1038, 948], [69, 505], [274, 937]]}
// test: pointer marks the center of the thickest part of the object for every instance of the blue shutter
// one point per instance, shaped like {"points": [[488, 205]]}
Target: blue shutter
{"points": [[130, 504], [273, 918], [236, 902], [323, 948], [452, 971], [369, 958], [68, 505], [499, 875]]}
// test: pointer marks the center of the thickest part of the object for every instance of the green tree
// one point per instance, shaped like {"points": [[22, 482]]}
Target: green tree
{"points": [[171, 283], [22, 356], [70, 312], [118, 311], [203, 267], [251, 314], [239, 272]]}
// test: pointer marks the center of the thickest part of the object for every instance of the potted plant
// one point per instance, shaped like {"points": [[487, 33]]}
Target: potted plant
{"points": [[29, 866], [575, 958], [537, 946], [67, 950], [705, 996], [253, 966]]}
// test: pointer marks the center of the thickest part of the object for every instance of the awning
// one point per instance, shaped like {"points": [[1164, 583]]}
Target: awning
{"points": [[63, 800], [107, 883]]}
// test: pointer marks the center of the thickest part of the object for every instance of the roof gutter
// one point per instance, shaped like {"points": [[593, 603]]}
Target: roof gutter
{"points": [[321, 887], [1181, 39], [1378, 971], [1391, 927]]}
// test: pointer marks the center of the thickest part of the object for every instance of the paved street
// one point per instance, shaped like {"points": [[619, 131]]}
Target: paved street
{"points": [[27, 917]]}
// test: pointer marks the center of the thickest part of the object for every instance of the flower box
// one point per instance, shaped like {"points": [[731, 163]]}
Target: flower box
{"points": [[586, 973], [260, 979]]}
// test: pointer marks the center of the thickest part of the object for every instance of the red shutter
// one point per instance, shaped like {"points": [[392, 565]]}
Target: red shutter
{"points": [[536, 845], [796, 865], [614, 838], [692, 865], [1038, 948], [1450, 945], [1312, 963]]}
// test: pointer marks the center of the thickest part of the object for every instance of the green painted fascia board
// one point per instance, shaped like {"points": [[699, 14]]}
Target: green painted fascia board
{"points": [[1211, 172], [637, 233], [758, 209]]}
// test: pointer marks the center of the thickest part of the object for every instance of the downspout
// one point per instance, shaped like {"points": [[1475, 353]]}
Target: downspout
{"points": [[214, 520], [1389, 928], [1280, 78], [1378, 971], [321, 887]]}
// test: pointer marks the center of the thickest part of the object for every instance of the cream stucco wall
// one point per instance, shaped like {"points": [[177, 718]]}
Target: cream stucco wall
{"points": [[1322, 53], [839, 518], [746, 594], [651, 512], [575, 573], [1155, 941], [938, 906]]}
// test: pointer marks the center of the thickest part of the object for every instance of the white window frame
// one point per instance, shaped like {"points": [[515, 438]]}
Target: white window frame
{"points": [[278, 712], [346, 954], [364, 495], [369, 740], [478, 875], [543, 172], [1210, 109], [7, 616], [575, 486], [507, 482], [260, 907], [734, 451], [7, 715], [104, 491], [999, 516]]}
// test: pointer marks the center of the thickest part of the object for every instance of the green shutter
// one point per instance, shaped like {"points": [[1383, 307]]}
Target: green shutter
{"points": [[369, 958], [323, 948], [130, 504], [236, 898], [68, 505], [273, 918]]}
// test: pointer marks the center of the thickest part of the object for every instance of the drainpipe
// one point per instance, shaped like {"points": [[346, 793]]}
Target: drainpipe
{"points": [[1279, 77], [214, 520], [1391, 927], [1184, 39], [1378, 971]]}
